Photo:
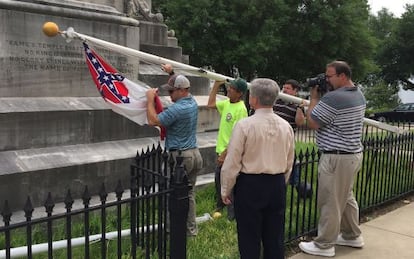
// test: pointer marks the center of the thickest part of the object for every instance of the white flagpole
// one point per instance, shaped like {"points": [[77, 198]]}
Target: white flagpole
{"points": [[70, 33]]}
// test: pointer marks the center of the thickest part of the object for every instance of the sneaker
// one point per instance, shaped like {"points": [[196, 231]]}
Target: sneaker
{"points": [[311, 248], [356, 243]]}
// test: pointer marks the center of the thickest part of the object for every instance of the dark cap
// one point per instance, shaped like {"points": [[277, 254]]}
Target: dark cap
{"points": [[176, 82], [239, 83]]}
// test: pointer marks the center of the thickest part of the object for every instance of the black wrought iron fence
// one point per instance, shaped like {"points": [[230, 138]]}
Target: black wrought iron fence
{"points": [[134, 225], [138, 221], [386, 175]]}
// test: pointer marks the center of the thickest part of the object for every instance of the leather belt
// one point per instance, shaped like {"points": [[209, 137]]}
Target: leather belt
{"points": [[338, 152], [179, 149]]}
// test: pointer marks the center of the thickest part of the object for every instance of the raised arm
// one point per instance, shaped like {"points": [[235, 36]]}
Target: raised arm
{"points": [[152, 116], [213, 94]]}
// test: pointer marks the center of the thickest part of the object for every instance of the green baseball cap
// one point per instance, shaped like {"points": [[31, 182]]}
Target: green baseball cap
{"points": [[240, 84]]}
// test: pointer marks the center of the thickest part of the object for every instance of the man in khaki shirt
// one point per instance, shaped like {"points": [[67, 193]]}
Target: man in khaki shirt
{"points": [[258, 164]]}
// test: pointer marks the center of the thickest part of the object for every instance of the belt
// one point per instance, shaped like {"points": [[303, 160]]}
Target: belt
{"points": [[338, 152], [179, 149]]}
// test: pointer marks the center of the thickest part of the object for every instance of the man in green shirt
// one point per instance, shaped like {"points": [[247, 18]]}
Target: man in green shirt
{"points": [[231, 111]]}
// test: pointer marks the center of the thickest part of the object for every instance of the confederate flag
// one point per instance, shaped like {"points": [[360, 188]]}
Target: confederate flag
{"points": [[122, 95]]}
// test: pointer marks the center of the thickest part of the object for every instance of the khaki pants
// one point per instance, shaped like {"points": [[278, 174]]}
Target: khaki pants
{"points": [[339, 211], [192, 162]]}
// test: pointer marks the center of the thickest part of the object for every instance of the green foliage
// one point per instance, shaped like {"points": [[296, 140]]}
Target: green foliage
{"points": [[224, 33], [322, 31], [296, 39], [269, 38], [396, 57], [380, 96]]}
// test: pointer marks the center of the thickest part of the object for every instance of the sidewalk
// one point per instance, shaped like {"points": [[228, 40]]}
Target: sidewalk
{"points": [[388, 236]]}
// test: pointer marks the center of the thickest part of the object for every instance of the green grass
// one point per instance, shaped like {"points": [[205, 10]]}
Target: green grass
{"points": [[217, 238]]}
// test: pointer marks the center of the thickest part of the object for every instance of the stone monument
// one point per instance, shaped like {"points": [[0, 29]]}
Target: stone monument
{"points": [[56, 132]]}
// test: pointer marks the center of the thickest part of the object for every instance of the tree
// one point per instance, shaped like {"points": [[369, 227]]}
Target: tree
{"points": [[319, 32], [396, 57], [226, 33], [380, 95], [273, 38]]}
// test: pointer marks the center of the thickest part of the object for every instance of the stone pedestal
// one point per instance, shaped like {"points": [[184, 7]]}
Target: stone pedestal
{"points": [[56, 132]]}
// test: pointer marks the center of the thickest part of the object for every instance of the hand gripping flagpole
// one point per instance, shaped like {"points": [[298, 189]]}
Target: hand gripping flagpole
{"points": [[51, 29]]}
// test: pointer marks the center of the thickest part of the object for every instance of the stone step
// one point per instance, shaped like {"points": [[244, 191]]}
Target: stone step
{"points": [[164, 51], [153, 76], [46, 122], [172, 42], [35, 172]]}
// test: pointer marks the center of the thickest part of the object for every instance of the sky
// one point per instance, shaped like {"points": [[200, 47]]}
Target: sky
{"points": [[397, 8], [394, 6]]}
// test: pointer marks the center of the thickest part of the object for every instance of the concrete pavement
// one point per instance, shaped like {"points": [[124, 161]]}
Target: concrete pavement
{"points": [[388, 236]]}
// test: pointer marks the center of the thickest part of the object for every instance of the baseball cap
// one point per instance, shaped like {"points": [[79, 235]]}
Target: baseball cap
{"points": [[176, 81], [239, 83]]}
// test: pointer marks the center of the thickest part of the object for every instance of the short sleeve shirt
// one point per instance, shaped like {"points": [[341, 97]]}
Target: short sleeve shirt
{"points": [[230, 113], [180, 122]]}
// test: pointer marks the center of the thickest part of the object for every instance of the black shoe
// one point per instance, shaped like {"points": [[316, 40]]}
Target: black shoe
{"points": [[218, 209], [230, 213]]}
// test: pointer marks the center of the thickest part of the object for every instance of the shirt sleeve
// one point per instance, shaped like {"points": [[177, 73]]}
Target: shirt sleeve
{"points": [[323, 113], [168, 116], [291, 155], [220, 106]]}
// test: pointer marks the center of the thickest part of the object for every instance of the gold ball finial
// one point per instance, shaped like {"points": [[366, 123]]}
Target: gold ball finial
{"points": [[50, 29]]}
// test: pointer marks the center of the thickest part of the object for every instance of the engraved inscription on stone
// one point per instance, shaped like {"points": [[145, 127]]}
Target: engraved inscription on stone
{"points": [[40, 56], [34, 65]]}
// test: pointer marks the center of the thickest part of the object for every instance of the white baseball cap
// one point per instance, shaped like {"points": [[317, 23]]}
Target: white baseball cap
{"points": [[176, 82]]}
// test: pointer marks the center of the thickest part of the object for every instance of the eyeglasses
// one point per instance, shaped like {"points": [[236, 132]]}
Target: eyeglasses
{"points": [[329, 76]]}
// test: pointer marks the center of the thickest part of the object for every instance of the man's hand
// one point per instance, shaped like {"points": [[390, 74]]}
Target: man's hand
{"points": [[151, 93], [222, 157], [167, 68], [211, 103], [226, 200], [315, 97], [151, 112], [314, 93]]}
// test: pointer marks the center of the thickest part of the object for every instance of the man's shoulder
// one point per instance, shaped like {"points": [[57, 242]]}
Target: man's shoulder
{"points": [[344, 97]]}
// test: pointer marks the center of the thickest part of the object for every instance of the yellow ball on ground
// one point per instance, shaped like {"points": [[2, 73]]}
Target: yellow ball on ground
{"points": [[216, 215], [50, 29]]}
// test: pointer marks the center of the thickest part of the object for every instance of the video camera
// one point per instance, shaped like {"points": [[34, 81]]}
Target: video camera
{"points": [[320, 81]]}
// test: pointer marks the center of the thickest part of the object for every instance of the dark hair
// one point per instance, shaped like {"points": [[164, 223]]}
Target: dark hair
{"points": [[341, 67], [295, 84]]}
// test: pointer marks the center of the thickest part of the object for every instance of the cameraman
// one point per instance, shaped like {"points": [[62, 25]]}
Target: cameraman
{"points": [[337, 118]]}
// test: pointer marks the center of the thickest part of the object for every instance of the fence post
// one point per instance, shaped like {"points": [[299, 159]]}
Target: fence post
{"points": [[178, 207]]}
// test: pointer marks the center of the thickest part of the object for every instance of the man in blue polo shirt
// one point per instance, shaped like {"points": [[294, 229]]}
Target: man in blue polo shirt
{"points": [[180, 122]]}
